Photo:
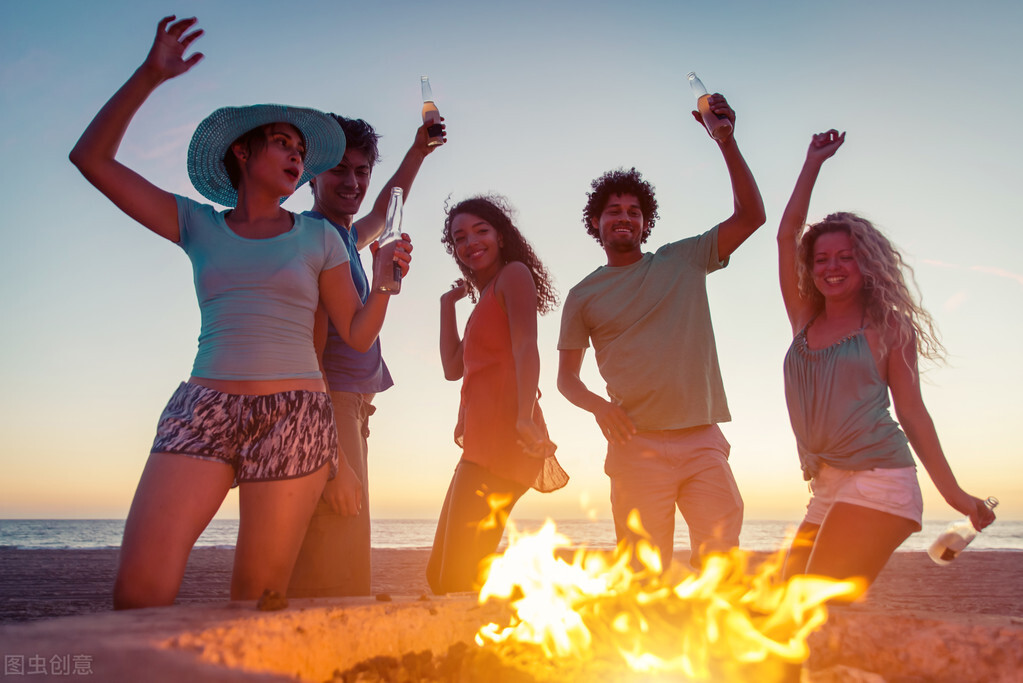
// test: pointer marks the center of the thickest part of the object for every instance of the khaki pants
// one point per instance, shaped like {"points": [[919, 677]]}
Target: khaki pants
{"points": [[655, 472], [335, 555]]}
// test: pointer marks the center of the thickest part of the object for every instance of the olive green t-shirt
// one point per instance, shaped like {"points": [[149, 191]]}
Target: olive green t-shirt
{"points": [[650, 326]]}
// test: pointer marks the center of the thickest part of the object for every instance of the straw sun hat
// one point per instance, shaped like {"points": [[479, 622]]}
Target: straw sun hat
{"points": [[324, 144]]}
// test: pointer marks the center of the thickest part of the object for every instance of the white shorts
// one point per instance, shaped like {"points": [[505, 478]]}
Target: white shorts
{"points": [[895, 491]]}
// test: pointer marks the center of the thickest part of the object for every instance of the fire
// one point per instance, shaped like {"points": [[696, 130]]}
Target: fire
{"points": [[500, 506], [598, 610]]}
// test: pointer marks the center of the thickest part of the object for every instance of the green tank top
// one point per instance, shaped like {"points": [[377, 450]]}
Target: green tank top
{"points": [[839, 408]]}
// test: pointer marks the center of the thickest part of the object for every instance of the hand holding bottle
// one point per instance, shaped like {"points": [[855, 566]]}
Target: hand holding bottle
{"points": [[431, 115], [423, 143], [713, 112], [982, 513], [390, 282], [716, 107], [958, 535], [388, 260]]}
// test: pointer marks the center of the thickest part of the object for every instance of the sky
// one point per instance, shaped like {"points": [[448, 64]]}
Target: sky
{"points": [[99, 315]]}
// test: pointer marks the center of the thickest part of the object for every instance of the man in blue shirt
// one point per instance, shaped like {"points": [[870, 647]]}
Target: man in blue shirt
{"points": [[335, 555]]}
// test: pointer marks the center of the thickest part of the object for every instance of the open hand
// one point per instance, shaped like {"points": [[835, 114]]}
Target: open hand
{"points": [[166, 57]]}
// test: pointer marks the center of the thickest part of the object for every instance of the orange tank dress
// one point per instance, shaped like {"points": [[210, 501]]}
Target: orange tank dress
{"points": [[489, 407]]}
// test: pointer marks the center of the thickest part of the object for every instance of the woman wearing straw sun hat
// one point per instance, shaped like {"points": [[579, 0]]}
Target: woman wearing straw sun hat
{"points": [[255, 412]]}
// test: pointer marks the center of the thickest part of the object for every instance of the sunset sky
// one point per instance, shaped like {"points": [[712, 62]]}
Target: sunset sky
{"points": [[99, 315]]}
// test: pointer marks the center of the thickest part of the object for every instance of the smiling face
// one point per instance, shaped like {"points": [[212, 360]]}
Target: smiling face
{"points": [[620, 225], [276, 165], [836, 273], [338, 193], [477, 246]]}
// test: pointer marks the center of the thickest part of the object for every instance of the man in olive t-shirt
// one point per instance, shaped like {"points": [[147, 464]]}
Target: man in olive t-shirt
{"points": [[648, 318]]}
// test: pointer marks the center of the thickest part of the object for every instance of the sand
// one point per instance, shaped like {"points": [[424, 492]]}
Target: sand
{"points": [[37, 584], [954, 624]]}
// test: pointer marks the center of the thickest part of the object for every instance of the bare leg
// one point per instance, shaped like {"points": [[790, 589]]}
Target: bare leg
{"points": [[176, 498], [799, 552], [274, 516], [857, 541]]}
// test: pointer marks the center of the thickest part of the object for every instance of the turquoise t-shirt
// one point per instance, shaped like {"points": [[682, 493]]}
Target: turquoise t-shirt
{"points": [[257, 297], [838, 407], [651, 329]]}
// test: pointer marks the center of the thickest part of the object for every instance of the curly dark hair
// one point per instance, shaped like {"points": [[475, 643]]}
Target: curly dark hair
{"points": [[360, 136], [619, 181], [496, 211]]}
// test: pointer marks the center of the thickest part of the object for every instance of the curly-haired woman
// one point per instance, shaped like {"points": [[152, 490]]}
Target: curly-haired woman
{"points": [[504, 440], [858, 332]]}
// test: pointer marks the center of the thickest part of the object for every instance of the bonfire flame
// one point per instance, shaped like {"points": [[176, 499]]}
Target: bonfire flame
{"points": [[597, 607]]}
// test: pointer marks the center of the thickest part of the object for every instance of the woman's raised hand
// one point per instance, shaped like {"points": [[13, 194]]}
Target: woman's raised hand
{"points": [[166, 58], [459, 290], [96, 151], [824, 145]]}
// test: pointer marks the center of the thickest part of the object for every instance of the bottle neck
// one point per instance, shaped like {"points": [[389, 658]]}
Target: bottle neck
{"points": [[697, 85]]}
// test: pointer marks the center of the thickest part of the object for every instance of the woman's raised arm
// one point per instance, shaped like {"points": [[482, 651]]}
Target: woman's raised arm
{"points": [[450, 342], [822, 147], [95, 152]]}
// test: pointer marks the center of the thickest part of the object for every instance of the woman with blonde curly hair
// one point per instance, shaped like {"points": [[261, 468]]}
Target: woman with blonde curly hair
{"points": [[858, 332]]}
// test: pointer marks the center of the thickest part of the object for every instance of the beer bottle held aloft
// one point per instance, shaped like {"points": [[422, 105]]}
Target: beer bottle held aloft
{"points": [[956, 537], [392, 233], [719, 127], [431, 116]]}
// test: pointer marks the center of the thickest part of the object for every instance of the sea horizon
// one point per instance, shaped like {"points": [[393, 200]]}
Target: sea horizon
{"points": [[417, 533]]}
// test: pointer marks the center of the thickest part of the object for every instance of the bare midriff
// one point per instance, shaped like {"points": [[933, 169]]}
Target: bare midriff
{"points": [[259, 387]]}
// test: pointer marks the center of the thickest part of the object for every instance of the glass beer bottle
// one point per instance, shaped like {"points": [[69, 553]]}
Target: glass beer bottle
{"points": [[719, 127], [956, 537], [431, 116], [392, 233]]}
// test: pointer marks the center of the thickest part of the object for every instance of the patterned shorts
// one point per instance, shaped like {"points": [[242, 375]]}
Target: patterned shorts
{"points": [[264, 438]]}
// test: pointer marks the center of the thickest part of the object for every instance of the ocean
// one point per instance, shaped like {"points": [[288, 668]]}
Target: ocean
{"points": [[418, 533]]}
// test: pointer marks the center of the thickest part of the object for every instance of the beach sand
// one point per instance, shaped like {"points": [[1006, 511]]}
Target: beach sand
{"points": [[37, 584], [954, 624]]}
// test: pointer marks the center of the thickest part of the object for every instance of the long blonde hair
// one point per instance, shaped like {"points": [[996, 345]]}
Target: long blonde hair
{"points": [[891, 305]]}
